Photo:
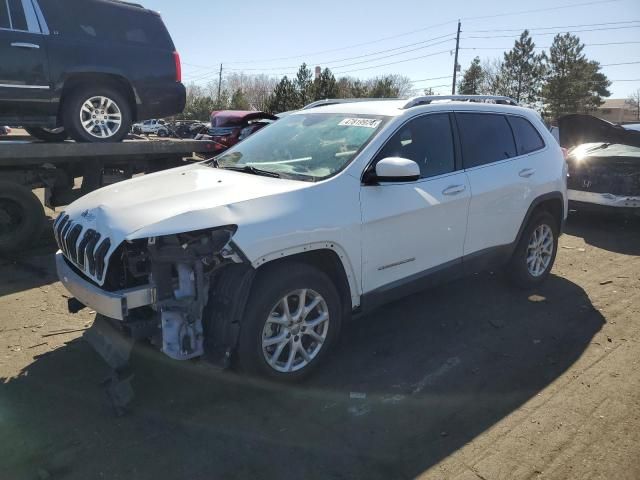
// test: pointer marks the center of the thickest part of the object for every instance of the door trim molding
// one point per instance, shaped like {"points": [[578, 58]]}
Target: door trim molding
{"points": [[33, 87]]}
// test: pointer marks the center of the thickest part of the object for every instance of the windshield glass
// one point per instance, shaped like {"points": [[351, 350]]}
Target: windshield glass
{"points": [[310, 146]]}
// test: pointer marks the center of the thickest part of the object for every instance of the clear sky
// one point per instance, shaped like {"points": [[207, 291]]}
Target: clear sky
{"points": [[276, 36]]}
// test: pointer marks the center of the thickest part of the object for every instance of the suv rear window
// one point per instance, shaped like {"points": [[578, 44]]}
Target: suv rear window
{"points": [[527, 137], [485, 138]]}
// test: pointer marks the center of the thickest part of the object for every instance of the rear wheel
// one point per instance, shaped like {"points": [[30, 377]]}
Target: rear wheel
{"points": [[535, 254], [48, 134], [293, 319], [97, 114], [21, 217]]}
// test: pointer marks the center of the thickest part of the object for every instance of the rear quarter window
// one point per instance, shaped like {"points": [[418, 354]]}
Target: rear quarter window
{"points": [[485, 138], [527, 137], [100, 21], [18, 17], [4, 15]]}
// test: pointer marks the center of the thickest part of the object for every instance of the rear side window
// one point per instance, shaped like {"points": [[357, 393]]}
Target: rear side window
{"points": [[426, 140], [18, 19], [4, 15], [485, 138], [527, 137]]}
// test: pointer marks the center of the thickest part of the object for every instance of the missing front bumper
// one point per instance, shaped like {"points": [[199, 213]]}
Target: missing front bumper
{"points": [[110, 304]]}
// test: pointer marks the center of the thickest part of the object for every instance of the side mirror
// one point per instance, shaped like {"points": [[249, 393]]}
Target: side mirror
{"points": [[396, 169]]}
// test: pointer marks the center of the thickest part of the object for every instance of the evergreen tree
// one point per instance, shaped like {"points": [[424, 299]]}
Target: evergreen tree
{"points": [[239, 101], [573, 84], [325, 86], [284, 97], [304, 85], [522, 71], [472, 79]]}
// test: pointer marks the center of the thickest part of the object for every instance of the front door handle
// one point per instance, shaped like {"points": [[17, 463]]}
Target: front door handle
{"points": [[527, 172], [24, 45], [454, 190]]}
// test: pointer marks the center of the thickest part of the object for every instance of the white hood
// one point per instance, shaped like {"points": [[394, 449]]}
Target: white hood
{"points": [[172, 201]]}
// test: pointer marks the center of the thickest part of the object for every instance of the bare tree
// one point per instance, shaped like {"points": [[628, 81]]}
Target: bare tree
{"points": [[634, 102]]}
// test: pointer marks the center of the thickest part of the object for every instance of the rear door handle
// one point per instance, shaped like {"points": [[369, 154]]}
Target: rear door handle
{"points": [[24, 45], [454, 190], [527, 172]]}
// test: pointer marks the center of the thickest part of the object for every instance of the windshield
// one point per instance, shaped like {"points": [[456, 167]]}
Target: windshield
{"points": [[310, 146]]}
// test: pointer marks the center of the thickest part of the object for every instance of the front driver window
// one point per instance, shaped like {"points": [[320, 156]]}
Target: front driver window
{"points": [[426, 140]]}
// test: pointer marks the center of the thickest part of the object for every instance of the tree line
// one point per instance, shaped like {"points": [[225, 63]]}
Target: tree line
{"points": [[555, 83], [561, 81], [262, 92]]}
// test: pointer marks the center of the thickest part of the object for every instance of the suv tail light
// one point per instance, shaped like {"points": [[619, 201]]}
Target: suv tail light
{"points": [[176, 59]]}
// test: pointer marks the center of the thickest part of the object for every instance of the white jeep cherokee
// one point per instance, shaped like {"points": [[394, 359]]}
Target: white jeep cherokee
{"points": [[262, 253]]}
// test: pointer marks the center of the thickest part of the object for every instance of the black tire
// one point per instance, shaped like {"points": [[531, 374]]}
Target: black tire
{"points": [[269, 287], [47, 135], [162, 133], [518, 267], [21, 217], [72, 108]]}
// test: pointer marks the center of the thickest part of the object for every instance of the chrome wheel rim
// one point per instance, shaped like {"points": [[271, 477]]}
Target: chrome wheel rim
{"points": [[100, 117], [540, 250], [295, 330]]}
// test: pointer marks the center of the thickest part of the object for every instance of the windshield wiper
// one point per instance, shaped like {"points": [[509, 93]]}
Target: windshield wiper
{"points": [[253, 170]]}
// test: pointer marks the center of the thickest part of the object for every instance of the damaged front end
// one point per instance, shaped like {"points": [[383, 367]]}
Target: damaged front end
{"points": [[183, 292], [603, 163]]}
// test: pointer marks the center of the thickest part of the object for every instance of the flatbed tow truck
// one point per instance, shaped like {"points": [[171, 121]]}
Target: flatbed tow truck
{"points": [[26, 165]]}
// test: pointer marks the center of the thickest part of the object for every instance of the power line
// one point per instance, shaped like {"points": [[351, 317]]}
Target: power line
{"points": [[432, 78], [555, 33], [522, 12], [201, 75], [585, 44], [550, 28], [616, 64], [429, 27], [394, 63]]}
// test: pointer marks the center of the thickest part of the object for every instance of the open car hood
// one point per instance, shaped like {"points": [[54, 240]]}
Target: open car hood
{"points": [[577, 129]]}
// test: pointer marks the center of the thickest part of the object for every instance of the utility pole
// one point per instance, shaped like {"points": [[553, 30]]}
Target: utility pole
{"points": [[220, 80], [455, 62]]}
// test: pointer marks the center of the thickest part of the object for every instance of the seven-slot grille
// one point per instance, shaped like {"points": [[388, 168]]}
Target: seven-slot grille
{"points": [[84, 247]]}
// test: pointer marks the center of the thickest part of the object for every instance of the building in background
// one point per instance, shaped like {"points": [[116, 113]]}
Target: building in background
{"points": [[616, 110]]}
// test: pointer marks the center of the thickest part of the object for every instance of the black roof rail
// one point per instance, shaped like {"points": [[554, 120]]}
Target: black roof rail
{"points": [[128, 4], [335, 101], [426, 100]]}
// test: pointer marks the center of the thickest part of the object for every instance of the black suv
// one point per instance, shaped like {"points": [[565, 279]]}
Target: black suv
{"points": [[86, 69]]}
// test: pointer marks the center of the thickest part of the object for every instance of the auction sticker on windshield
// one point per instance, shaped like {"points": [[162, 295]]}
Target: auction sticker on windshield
{"points": [[361, 122]]}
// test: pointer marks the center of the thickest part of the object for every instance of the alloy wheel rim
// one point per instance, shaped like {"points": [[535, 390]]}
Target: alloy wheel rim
{"points": [[100, 117], [295, 330], [540, 250]]}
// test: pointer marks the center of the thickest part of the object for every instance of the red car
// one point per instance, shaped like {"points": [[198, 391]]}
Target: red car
{"points": [[228, 127]]}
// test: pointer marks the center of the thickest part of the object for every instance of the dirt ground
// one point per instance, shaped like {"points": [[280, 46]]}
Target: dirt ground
{"points": [[472, 380]]}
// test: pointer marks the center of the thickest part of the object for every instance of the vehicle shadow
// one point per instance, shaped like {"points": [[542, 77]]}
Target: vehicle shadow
{"points": [[30, 268], [616, 233], [407, 386]]}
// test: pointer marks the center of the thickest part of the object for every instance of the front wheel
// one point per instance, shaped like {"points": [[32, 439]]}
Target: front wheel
{"points": [[293, 319], [536, 251], [97, 114]]}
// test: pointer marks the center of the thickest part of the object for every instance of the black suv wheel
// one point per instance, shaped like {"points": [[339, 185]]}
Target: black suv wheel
{"points": [[97, 114], [48, 134], [21, 217]]}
